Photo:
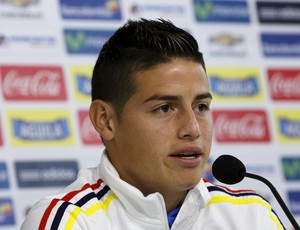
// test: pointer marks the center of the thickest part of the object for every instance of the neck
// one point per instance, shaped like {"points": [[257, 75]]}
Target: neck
{"points": [[173, 200]]}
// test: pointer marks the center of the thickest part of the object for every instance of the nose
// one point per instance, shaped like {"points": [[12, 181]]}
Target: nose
{"points": [[188, 126]]}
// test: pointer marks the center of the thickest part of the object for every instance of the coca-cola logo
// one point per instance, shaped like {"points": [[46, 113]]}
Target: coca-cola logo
{"points": [[88, 133], [33, 83], [240, 126], [284, 84]]}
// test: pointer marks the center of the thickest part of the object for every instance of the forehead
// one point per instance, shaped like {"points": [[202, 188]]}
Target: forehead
{"points": [[178, 74]]}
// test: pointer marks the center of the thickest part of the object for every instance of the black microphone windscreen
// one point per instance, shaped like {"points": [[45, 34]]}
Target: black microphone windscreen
{"points": [[228, 169]]}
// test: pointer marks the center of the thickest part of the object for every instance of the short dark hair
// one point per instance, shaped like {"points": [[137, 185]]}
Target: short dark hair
{"points": [[134, 47]]}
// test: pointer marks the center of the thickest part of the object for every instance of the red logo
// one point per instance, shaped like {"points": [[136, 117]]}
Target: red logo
{"points": [[36, 83], [241, 126], [89, 135], [284, 84]]}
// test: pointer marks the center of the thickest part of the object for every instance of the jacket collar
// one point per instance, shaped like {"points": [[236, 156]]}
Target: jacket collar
{"points": [[151, 207]]}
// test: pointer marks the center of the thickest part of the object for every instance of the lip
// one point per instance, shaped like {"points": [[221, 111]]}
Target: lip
{"points": [[185, 160]]}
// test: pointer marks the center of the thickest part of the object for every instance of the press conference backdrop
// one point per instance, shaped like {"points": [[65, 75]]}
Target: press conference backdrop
{"points": [[47, 52]]}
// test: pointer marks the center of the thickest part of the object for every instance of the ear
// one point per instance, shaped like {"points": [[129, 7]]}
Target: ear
{"points": [[101, 116]]}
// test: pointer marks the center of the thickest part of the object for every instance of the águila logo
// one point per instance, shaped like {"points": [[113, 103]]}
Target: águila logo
{"points": [[241, 126], [36, 83], [45, 127], [284, 84]]}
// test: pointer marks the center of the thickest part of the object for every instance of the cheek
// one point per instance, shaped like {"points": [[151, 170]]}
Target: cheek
{"points": [[207, 128], [153, 139], [208, 133], [143, 136], [155, 131]]}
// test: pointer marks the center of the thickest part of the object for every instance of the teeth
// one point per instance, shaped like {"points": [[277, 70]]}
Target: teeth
{"points": [[188, 157], [188, 154]]}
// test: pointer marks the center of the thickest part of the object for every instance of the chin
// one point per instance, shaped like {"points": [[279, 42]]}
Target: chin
{"points": [[191, 184]]}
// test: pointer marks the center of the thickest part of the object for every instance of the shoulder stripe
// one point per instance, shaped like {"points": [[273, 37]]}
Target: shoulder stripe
{"points": [[237, 193], [241, 197], [61, 210], [67, 197], [46, 215], [241, 200], [276, 220], [237, 196], [248, 200], [210, 185], [85, 199], [100, 205], [102, 192], [58, 215]]}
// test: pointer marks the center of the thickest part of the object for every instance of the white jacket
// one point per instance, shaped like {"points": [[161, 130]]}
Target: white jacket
{"points": [[100, 200]]}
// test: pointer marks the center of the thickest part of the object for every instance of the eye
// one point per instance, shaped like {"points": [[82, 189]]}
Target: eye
{"points": [[202, 107], [163, 109]]}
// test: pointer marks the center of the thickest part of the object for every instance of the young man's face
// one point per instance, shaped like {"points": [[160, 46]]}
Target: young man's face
{"points": [[163, 139]]}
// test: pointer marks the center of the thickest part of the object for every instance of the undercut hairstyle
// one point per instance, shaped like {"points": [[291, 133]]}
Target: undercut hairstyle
{"points": [[135, 47]]}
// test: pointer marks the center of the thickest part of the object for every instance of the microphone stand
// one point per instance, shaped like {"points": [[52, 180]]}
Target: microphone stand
{"points": [[277, 196]]}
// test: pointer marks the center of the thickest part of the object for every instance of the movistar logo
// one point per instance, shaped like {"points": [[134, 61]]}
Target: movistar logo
{"points": [[203, 10], [221, 11], [291, 168], [75, 41]]}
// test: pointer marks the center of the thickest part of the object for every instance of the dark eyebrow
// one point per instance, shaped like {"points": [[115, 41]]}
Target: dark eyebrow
{"points": [[176, 98], [158, 97], [204, 96]]}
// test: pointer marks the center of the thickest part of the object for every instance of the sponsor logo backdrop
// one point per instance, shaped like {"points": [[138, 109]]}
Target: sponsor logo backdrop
{"points": [[47, 53]]}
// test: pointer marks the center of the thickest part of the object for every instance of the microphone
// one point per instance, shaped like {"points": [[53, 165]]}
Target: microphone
{"points": [[230, 170]]}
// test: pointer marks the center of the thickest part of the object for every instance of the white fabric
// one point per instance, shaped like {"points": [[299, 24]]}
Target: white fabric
{"points": [[124, 207]]}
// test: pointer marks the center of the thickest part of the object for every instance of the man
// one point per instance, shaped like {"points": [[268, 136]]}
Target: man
{"points": [[151, 106]]}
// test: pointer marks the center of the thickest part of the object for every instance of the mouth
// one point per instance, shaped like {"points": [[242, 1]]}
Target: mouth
{"points": [[187, 155]]}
